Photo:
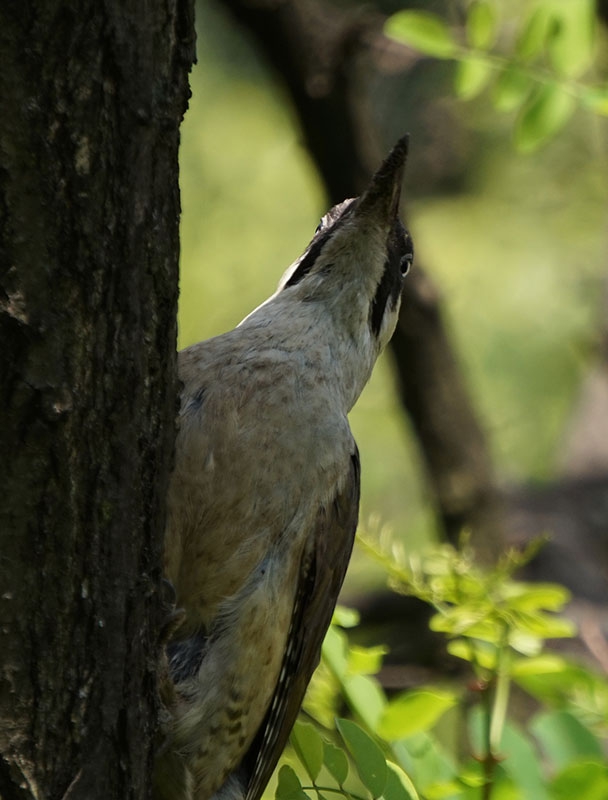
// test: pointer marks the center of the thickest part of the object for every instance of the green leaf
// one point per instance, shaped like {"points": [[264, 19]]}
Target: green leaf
{"points": [[525, 643], [520, 761], [345, 617], [555, 681], [472, 774], [596, 98], [472, 76], [336, 762], [367, 756], [564, 738], [545, 664], [425, 758], [572, 37], [546, 113], [448, 790], [289, 786], [414, 712], [533, 35], [308, 745], [399, 785], [461, 620], [334, 651], [463, 648], [584, 780], [481, 653], [512, 87], [544, 626], [365, 660], [481, 24], [366, 698], [423, 31], [323, 696], [541, 596]]}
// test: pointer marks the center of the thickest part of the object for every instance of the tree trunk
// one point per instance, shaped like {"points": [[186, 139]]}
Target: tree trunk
{"points": [[92, 96]]}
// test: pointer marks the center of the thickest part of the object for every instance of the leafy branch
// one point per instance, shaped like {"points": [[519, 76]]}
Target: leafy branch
{"points": [[394, 748], [536, 66]]}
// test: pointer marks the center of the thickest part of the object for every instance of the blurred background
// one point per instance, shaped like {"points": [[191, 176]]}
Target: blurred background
{"points": [[490, 412]]}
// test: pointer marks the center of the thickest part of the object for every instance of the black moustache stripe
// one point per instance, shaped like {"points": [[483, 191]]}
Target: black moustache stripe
{"points": [[327, 227], [308, 259], [389, 288]]}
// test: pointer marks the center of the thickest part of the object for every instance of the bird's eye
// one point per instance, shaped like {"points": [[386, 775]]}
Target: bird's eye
{"points": [[319, 227], [406, 263]]}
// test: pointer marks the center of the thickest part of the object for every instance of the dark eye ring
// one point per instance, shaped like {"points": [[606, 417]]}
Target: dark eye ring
{"points": [[406, 263]]}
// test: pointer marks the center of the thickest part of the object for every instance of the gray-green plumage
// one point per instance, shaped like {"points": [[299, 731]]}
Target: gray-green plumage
{"points": [[264, 497]]}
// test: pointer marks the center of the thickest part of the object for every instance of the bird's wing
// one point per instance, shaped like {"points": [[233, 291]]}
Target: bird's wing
{"points": [[321, 576]]}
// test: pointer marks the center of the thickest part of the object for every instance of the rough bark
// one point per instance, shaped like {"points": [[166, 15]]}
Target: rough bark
{"points": [[92, 97]]}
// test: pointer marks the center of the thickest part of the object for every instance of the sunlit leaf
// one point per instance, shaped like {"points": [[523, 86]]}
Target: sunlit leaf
{"points": [[399, 785], [572, 37], [336, 762], [545, 664], [545, 626], [423, 31], [584, 780], [555, 680], [323, 696], [564, 738], [308, 745], [533, 597], [596, 98], [289, 786], [472, 76], [520, 760], [444, 790], [511, 89], [345, 617], [481, 24], [525, 643], [533, 35], [457, 620], [424, 757], [482, 653], [414, 712], [365, 660], [543, 116], [440, 561], [522, 763], [366, 698], [335, 650], [461, 648], [472, 775], [367, 756]]}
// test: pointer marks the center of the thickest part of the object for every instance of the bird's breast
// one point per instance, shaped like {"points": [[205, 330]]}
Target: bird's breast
{"points": [[255, 461]]}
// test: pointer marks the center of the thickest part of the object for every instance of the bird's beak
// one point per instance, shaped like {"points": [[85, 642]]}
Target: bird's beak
{"points": [[381, 198]]}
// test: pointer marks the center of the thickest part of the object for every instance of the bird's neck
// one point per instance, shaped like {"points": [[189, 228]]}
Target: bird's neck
{"points": [[338, 355]]}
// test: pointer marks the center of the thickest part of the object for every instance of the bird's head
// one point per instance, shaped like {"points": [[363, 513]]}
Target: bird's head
{"points": [[358, 258], [341, 298]]}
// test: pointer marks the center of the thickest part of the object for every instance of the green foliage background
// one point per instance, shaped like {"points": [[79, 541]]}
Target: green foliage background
{"points": [[460, 739]]}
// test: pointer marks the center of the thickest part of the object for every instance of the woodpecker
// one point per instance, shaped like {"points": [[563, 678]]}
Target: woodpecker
{"points": [[263, 500]]}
